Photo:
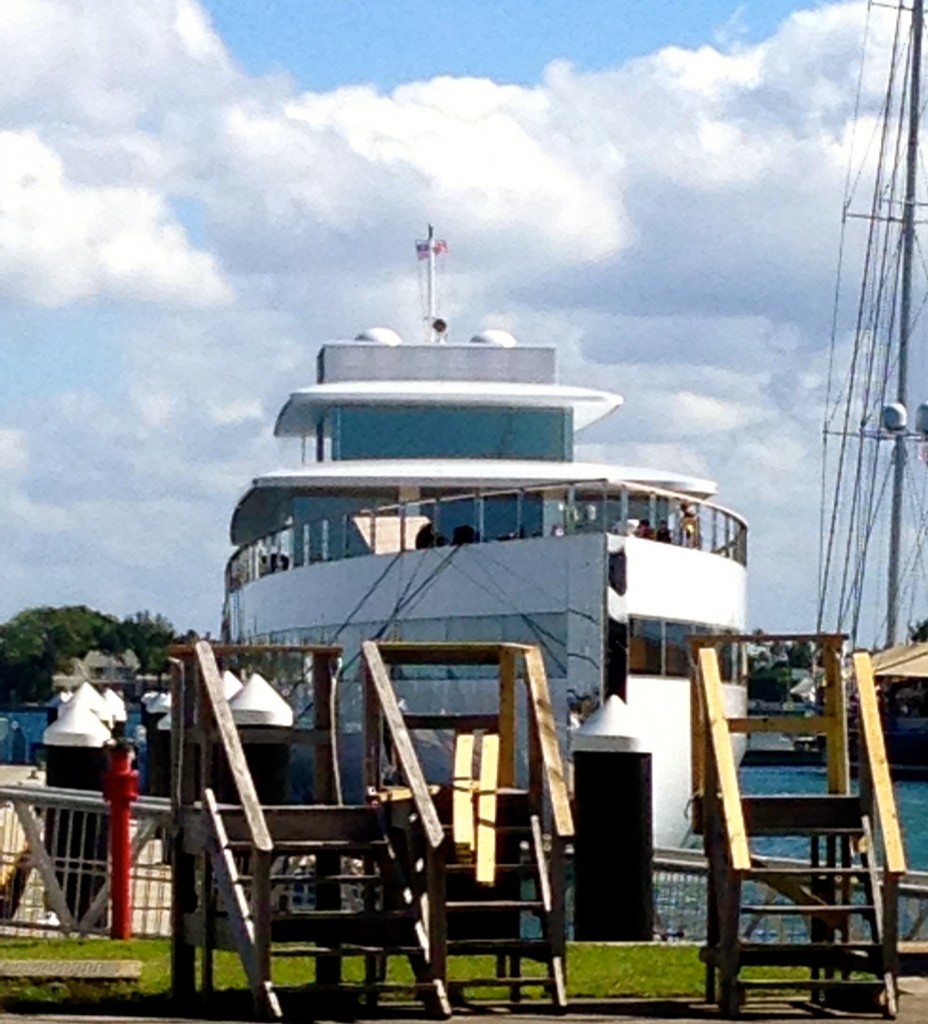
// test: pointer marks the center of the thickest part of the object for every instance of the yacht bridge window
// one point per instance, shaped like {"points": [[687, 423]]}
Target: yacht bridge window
{"points": [[420, 432]]}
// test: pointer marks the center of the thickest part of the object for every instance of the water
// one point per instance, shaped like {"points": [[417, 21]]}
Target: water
{"points": [[911, 797]]}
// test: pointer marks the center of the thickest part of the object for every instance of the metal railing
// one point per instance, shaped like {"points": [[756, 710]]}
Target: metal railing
{"points": [[485, 516], [53, 863]]}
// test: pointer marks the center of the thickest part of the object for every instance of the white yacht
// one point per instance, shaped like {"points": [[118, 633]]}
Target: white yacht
{"points": [[436, 497]]}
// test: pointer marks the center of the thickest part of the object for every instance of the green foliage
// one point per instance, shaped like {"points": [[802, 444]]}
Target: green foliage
{"points": [[40, 641]]}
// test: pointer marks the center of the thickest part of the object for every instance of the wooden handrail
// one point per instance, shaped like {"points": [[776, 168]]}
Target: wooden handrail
{"points": [[402, 744], [874, 749], [725, 771], [539, 703], [218, 707]]}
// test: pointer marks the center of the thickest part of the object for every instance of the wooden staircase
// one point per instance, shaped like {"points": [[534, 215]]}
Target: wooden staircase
{"points": [[418, 871], [832, 924], [503, 880], [324, 882]]}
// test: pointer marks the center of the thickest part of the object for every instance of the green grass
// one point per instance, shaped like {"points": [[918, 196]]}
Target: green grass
{"points": [[593, 972]]}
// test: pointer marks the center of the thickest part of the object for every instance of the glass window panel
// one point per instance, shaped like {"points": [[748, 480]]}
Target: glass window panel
{"points": [[420, 432], [644, 646]]}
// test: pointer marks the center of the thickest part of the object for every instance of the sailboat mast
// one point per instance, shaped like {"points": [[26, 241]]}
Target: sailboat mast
{"points": [[905, 325]]}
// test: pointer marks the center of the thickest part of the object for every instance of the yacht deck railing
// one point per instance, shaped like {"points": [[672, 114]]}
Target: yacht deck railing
{"points": [[490, 516]]}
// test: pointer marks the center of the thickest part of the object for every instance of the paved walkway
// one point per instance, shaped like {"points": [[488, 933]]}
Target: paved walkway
{"points": [[913, 1010]]}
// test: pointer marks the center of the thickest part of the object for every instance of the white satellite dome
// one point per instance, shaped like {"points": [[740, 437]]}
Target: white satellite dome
{"points": [[380, 336], [494, 336]]}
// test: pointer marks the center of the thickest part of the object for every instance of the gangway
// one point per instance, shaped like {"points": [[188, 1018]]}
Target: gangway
{"points": [[843, 904]]}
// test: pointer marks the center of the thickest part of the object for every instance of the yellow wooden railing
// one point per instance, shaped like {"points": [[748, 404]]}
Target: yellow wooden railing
{"points": [[876, 784], [720, 778]]}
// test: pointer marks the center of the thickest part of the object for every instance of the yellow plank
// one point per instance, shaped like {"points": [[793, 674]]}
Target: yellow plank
{"points": [[462, 798], [486, 809], [872, 731], [507, 718], [796, 725], [540, 707], [736, 834], [838, 766]]}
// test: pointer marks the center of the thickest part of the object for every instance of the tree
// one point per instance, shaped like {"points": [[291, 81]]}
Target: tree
{"points": [[40, 641]]}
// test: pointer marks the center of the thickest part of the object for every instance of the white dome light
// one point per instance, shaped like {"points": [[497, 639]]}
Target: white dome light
{"points": [[494, 336], [380, 336]]}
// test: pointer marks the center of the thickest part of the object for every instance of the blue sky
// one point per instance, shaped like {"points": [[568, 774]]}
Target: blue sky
{"points": [[327, 43]]}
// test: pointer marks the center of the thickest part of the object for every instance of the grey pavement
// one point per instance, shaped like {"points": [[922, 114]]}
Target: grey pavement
{"points": [[913, 1009]]}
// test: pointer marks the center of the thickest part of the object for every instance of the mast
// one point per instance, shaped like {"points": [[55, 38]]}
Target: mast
{"points": [[905, 326]]}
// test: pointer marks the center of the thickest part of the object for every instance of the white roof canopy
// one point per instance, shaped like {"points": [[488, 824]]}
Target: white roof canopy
{"points": [[270, 495], [304, 408]]}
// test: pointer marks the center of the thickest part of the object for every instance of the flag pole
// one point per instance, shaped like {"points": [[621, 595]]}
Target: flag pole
{"points": [[431, 285]]}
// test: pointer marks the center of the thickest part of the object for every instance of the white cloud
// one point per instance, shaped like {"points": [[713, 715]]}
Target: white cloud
{"points": [[61, 242], [671, 224], [14, 451]]}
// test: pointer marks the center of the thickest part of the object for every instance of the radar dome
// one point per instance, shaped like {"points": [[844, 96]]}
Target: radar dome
{"points": [[493, 336], [380, 336], [894, 417]]}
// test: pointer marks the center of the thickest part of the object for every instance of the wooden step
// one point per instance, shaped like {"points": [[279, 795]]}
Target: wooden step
{"points": [[484, 905], [309, 822], [532, 949], [527, 868], [805, 871], [853, 955], [763, 909], [806, 984], [307, 847], [802, 815], [348, 949], [507, 982]]}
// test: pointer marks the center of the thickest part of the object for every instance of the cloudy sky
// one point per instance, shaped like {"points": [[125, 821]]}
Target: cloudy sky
{"points": [[194, 195]]}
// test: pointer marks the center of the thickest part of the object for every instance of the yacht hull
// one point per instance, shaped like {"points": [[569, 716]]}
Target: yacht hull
{"points": [[559, 592]]}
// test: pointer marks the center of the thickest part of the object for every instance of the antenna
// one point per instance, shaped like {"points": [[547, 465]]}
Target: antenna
{"points": [[436, 327]]}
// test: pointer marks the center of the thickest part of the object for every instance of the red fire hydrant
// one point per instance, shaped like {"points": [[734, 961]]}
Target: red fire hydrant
{"points": [[120, 788]]}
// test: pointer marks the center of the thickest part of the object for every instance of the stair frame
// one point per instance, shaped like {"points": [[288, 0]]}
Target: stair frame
{"points": [[721, 814], [547, 794]]}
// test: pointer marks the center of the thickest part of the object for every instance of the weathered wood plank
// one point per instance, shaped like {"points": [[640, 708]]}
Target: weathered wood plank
{"points": [[878, 765], [462, 796], [541, 710], [72, 970], [507, 718], [324, 719], [228, 735], [794, 725], [837, 766], [725, 771], [395, 652], [409, 763], [458, 723], [486, 809]]}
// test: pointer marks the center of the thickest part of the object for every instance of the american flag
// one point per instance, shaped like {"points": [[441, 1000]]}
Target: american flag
{"points": [[439, 245]]}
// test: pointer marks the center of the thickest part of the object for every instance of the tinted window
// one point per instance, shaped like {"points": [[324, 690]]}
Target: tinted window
{"points": [[413, 432]]}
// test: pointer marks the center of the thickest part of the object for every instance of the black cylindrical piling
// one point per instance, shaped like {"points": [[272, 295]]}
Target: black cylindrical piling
{"points": [[258, 706], [156, 710], [613, 849], [76, 839]]}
